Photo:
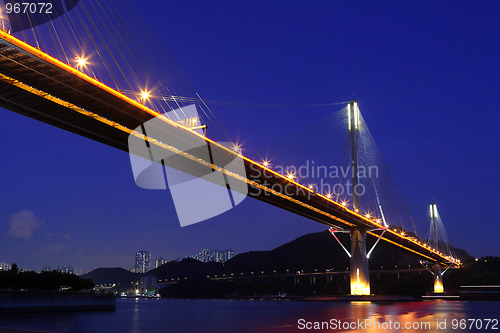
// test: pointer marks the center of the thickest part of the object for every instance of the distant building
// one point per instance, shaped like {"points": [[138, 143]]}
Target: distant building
{"points": [[132, 269], [4, 266], [206, 255], [65, 269], [80, 272], [160, 262], [142, 261], [46, 269]]}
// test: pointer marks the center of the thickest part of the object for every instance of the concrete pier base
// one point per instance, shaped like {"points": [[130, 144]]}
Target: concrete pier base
{"points": [[360, 275]]}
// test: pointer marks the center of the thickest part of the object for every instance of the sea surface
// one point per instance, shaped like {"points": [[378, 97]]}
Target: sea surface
{"points": [[200, 316]]}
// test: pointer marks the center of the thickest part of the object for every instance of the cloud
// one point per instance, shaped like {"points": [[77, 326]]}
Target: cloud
{"points": [[23, 224]]}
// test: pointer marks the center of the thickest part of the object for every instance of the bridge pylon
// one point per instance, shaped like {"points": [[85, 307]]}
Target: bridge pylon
{"points": [[437, 231], [360, 275], [359, 270], [438, 276]]}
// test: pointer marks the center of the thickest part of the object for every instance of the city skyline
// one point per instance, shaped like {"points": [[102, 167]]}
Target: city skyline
{"points": [[416, 80], [211, 255], [207, 255]]}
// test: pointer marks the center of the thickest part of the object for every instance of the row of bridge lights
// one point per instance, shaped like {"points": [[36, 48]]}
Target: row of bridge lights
{"points": [[82, 62], [291, 177]]}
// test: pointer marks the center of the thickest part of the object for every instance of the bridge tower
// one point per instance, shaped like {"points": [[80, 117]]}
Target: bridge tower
{"points": [[438, 276], [360, 275]]}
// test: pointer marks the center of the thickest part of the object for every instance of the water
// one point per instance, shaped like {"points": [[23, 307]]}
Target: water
{"points": [[242, 316]]}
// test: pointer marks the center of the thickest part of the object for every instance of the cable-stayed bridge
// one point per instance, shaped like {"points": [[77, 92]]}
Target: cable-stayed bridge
{"points": [[37, 85]]}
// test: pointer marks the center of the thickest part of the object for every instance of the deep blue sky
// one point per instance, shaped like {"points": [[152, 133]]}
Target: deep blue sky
{"points": [[425, 74]]}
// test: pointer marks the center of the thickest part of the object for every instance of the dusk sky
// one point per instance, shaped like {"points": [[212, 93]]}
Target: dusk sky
{"points": [[425, 75]]}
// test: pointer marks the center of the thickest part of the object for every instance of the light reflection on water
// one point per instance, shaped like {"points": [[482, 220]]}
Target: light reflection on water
{"points": [[422, 316], [206, 316]]}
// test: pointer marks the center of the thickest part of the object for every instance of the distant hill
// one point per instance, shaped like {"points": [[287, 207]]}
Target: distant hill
{"points": [[115, 275], [316, 251], [485, 271], [186, 268], [463, 255]]}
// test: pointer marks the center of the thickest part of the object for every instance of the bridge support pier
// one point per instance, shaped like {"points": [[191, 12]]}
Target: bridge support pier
{"points": [[360, 275], [438, 279], [438, 276]]}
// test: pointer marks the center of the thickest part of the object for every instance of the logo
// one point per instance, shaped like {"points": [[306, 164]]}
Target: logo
{"points": [[25, 14], [197, 172]]}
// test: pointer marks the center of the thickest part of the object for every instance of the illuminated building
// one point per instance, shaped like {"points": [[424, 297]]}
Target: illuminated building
{"points": [[142, 261], [4, 266], [160, 262], [65, 269], [206, 255]]}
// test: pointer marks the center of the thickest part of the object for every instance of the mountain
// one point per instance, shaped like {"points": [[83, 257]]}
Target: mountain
{"points": [[308, 253], [115, 275], [186, 268], [317, 251], [320, 251]]}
